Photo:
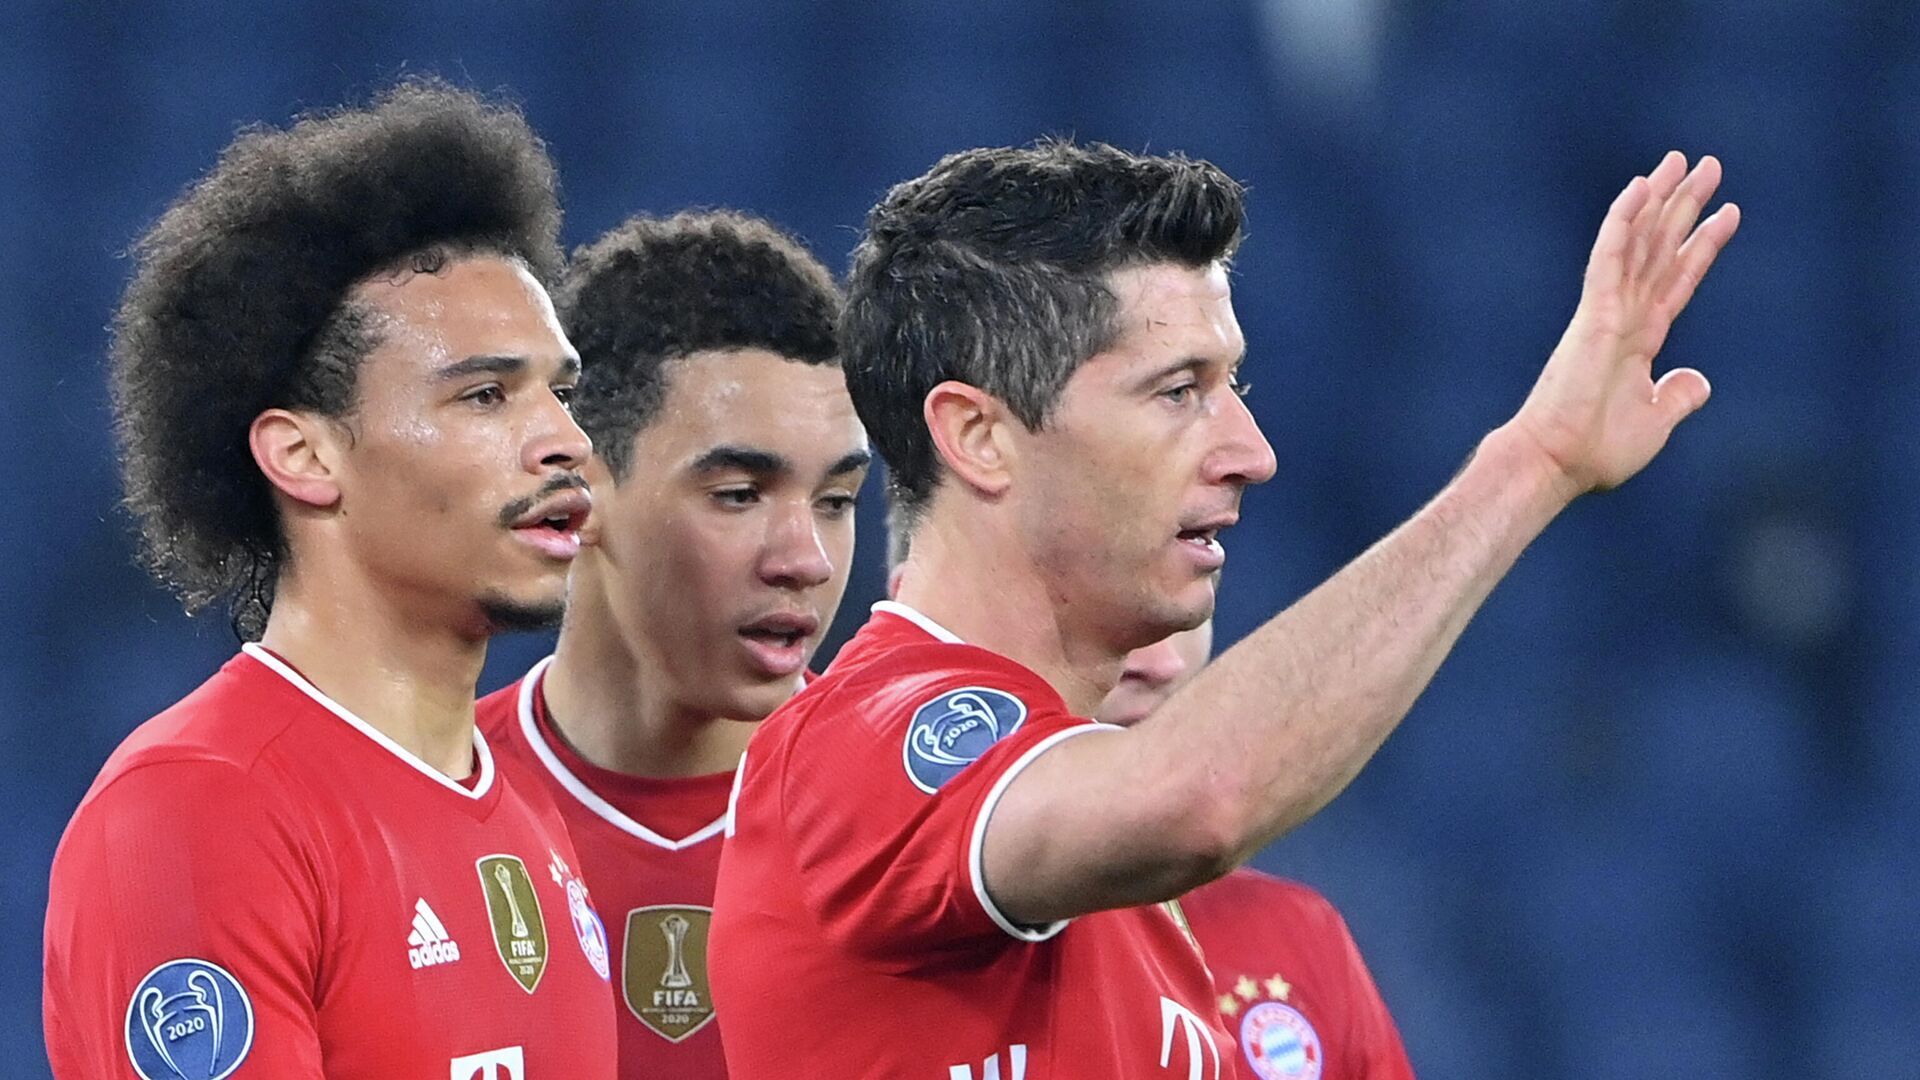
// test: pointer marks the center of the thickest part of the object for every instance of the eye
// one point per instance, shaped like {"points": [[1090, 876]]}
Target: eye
{"points": [[736, 496], [490, 394], [565, 396], [838, 506], [1180, 394], [1239, 388]]}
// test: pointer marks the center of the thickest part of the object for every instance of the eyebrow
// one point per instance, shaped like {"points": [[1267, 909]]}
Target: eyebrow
{"points": [[749, 459], [1191, 363], [501, 365]]}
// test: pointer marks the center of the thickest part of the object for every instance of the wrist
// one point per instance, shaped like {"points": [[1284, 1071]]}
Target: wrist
{"points": [[1511, 457]]}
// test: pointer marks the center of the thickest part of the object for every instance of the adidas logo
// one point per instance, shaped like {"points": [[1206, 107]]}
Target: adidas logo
{"points": [[429, 939]]}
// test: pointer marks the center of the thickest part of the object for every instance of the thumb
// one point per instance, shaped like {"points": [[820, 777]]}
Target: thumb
{"points": [[1679, 394]]}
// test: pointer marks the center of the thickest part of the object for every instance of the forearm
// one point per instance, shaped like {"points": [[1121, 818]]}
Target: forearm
{"points": [[1281, 723], [1276, 726]]}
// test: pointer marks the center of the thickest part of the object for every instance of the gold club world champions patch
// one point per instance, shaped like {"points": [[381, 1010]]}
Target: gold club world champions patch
{"points": [[663, 973], [519, 930]]}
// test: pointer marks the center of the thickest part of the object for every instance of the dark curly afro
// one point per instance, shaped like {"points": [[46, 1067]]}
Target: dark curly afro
{"points": [[657, 289], [238, 304]]}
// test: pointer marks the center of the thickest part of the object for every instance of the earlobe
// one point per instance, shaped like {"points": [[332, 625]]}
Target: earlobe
{"points": [[294, 451], [969, 428]]}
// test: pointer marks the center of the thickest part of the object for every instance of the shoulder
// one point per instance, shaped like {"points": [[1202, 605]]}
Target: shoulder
{"points": [[232, 719], [1248, 901]]}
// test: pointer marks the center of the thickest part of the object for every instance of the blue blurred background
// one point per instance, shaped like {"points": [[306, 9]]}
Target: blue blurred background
{"points": [[1648, 819]]}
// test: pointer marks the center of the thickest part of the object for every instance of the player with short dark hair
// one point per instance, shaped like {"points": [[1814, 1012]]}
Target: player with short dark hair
{"points": [[932, 844], [728, 457], [342, 397]]}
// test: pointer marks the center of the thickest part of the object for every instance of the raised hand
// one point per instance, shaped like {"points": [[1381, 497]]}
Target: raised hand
{"points": [[1596, 412]]}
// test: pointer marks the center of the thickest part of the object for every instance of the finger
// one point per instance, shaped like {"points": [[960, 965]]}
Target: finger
{"points": [[1677, 218], [1661, 182], [1697, 256], [1607, 262], [1679, 394]]}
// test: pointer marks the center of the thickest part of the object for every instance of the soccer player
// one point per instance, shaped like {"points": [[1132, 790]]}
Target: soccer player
{"points": [[1290, 979], [342, 402], [728, 457], [939, 866]]}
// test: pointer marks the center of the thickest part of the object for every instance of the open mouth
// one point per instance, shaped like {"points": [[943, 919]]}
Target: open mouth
{"points": [[553, 526], [1206, 538], [778, 642]]}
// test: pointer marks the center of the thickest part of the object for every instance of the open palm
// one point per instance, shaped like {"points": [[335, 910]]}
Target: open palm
{"points": [[1597, 411]]}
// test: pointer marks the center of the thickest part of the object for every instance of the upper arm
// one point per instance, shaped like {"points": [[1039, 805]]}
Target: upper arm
{"points": [[182, 923], [1096, 824], [883, 804]]}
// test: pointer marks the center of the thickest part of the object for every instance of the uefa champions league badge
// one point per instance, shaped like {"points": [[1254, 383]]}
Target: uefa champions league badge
{"points": [[587, 927], [189, 1020], [1280, 1044], [950, 732]]}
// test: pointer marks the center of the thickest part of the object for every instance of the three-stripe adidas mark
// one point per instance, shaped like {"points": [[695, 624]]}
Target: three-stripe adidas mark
{"points": [[431, 944]]}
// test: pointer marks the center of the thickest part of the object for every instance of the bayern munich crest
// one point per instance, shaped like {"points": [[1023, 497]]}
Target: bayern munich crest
{"points": [[189, 1020], [950, 732], [587, 926], [1280, 1044]]}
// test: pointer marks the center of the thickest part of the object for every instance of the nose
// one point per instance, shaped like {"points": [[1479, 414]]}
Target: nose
{"points": [[554, 440], [1243, 456], [795, 557]]}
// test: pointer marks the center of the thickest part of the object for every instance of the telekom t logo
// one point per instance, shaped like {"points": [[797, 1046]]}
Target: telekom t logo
{"points": [[1197, 1035], [508, 1064], [990, 1070]]}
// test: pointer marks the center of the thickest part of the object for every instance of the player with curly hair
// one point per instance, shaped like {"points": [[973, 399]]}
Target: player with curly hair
{"points": [[342, 399], [727, 458]]}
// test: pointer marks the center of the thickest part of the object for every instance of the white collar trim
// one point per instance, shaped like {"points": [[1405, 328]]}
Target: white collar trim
{"points": [[895, 607], [480, 750], [587, 797]]}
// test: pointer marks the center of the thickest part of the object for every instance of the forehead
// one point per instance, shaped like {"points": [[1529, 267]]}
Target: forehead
{"points": [[753, 397], [1168, 309], [476, 306]]}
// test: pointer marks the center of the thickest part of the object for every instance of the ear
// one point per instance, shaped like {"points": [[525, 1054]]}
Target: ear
{"points": [[969, 428], [298, 453]]}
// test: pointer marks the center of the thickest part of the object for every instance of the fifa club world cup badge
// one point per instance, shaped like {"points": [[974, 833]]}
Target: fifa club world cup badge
{"points": [[663, 975], [586, 921], [513, 908], [1277, 1039], [189, 1020]]}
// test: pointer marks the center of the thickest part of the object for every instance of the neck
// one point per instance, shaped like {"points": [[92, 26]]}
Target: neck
{"points": [[612, 698], [1019, 617], [408, 677]]}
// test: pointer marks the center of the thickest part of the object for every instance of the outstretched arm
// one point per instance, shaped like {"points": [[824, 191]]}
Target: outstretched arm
{"points": [[1279, 724]]}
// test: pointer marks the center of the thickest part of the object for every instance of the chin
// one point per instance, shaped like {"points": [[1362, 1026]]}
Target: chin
{"points": [[508, 614]]}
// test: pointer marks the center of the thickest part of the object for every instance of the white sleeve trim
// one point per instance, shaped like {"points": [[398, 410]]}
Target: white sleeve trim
{"points": [[976, 855]]}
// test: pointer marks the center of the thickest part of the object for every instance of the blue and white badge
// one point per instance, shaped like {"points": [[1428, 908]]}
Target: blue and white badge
{"points": [[189, 1020], [1280, 1043], [950, 732]]}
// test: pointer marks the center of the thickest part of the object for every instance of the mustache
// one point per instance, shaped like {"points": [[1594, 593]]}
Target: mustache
{"points": [[518, 508]]}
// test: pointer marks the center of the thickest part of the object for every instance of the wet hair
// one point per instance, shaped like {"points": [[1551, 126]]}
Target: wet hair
{"points": [[993, 269], [240, 303], [657, 289]]}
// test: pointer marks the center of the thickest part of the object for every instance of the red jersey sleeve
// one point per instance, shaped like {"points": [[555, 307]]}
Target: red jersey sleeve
{"points": [[183, 931], [886, 791]]}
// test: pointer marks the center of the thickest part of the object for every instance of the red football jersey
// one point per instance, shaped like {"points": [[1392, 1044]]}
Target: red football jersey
{"points": [[649, 848], [1292, 983], [852, 935], [260, 881]]}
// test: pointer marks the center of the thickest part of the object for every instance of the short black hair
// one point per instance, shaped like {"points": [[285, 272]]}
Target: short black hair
{"points": [[658, 289], [239, 304], [993, 268]]}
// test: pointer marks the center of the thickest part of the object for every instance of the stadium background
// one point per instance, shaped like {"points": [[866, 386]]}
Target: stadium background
{"points": [[1656, 815]]}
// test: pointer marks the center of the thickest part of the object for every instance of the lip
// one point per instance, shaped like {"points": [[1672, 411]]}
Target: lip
{"points": [[774, 657], [1203, 545], [571, 508]]}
